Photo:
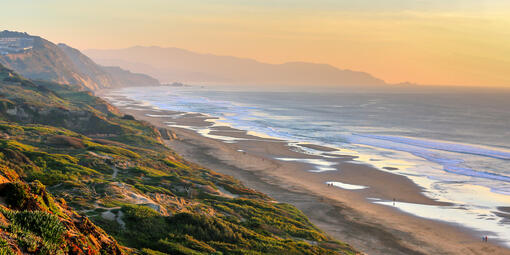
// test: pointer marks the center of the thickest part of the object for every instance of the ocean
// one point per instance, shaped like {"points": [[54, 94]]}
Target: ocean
{"points": [[454, 145]]}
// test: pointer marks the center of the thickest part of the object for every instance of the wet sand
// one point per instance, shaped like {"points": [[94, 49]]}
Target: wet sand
{"points": [[346, 215]]}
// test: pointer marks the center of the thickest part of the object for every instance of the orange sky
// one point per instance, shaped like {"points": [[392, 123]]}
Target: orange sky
{"points": [[454, 42]]}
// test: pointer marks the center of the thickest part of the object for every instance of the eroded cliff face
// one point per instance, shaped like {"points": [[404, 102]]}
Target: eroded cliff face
{"points": [[39, 59]]}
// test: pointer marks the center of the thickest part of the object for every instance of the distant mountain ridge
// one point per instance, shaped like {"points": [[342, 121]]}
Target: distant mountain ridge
{"points": [[174, 64], [40, 59]]}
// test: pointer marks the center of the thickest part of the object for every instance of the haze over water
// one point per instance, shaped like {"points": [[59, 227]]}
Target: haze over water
{"points": [[456, 146]]}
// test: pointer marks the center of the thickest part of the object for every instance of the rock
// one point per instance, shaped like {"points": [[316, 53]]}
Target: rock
{"points": [[128, 117], [167, 134], [209, 189]]}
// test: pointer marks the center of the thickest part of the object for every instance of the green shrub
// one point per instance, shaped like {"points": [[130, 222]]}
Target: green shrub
{"points": [[16, 194], [139, 211], [43, 224], [28, 241], [36, 230], [5, 249]]}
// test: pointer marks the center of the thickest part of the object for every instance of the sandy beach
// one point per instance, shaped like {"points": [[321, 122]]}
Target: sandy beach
{"points": [[345, 214]]}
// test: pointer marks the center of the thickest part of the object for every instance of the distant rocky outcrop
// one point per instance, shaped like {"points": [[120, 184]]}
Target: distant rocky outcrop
{"points": [[167, 134], [128, 79]]}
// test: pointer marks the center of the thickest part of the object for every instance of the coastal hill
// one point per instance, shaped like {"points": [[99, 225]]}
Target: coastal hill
{"points": [[40, 59], [43, 60], [78, 177], [173, 64], [126, 78]]}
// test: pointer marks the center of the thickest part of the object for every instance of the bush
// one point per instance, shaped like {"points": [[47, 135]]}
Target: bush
{"points": [[139, 211], [28, 241], [5, 249], [112, 150], [43, 224], [16, 194], [203, 228], [176, 248]]}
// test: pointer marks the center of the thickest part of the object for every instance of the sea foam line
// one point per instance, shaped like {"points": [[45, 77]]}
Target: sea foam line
{"points": [[446, 146]]}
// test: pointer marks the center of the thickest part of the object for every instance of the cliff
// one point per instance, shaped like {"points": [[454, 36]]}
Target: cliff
{"points": [[44, 60], [40, 59], [77, 177]]}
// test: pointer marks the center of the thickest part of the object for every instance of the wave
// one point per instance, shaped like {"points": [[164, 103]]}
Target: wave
{"points": [[287, 125], [446, 146], [427, 149]]}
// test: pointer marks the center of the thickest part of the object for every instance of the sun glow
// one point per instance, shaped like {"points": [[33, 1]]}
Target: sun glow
{"points": [[440, 42]]}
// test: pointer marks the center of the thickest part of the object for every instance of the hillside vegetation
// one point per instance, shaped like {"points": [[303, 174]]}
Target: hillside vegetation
{"points": [[76, 177]]}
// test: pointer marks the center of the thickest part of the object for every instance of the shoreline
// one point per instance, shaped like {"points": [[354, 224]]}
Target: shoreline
{"points": [[344, 214]]}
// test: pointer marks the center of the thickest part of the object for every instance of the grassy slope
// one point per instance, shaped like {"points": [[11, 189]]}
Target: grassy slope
{"points": [[118, 172]]}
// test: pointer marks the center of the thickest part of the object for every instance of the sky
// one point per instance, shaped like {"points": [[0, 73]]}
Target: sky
{"points": [[432, 42]]}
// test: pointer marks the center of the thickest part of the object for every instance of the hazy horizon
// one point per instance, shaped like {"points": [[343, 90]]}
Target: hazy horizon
{"points": [[434, 42], [401, 84]]}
